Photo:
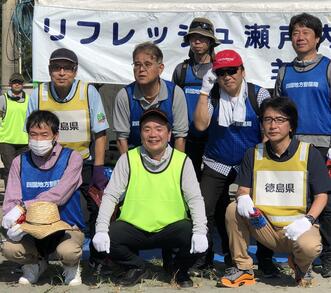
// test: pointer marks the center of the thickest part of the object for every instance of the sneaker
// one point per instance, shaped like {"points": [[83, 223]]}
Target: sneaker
{"points": [[32, 272], [326, 270], [303, 279], [234, 277], [268, 268], [72, 275]]}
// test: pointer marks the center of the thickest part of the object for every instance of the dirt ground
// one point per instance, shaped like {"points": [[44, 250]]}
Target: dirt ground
{"points": [[159, 281]]}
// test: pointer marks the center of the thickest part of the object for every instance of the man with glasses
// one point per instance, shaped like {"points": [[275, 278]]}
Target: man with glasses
{"points": [[13, 107], [82, 119], [227, 106], [148, 91], [283, 187], [307, 80], [188, 75]]}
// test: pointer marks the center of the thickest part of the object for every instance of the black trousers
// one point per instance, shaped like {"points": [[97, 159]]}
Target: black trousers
{"points": [[215, 191], [126, 240], [8, 153], [92, 209], [194, 148]]}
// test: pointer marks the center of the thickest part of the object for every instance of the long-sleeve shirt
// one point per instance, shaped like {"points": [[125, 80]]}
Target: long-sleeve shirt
{"points": [[59, 194], [115, 190]]}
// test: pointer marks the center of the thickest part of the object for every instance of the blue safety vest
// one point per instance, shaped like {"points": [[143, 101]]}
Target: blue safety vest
{"points": [[310, 91], [35, 181], [136, 111], [228, 145], [192, 86]]}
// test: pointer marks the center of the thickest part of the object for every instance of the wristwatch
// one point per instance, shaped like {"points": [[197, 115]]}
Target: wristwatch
{"points": [[311, 219]]}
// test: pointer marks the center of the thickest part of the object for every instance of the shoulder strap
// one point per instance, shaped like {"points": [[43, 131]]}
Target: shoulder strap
{"points": [[252, 95], [181, 81]]}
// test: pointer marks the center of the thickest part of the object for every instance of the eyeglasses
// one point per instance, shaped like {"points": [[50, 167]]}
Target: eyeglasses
{"points": [[146, 65], [278, 120], [202, 25], [66, 68], [228, 71]]}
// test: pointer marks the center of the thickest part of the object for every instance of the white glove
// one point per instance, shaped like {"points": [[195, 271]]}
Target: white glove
{"points": [[297, 228], [199, 243], [245, 205], [15, 233], [12, 216], [101, 241], [208, 82]]}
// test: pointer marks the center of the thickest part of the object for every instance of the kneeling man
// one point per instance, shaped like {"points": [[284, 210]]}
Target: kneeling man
{"points": [[161, 190], [283, 187], [46, 173]]}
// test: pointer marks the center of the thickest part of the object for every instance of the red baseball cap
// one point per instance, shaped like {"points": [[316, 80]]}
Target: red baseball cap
{"points": [[227, 58]]}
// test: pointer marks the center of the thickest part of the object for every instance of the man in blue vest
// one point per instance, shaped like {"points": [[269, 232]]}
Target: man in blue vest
{"points": [[228, 107], [188, 75], [46, 173], [159, 187], [307, 81], [146, 92], [13, 107]]}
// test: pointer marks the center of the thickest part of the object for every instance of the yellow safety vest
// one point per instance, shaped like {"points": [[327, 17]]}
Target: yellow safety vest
{"points": [[12, 126], [154, 200], [74, 115], [280, 188]]}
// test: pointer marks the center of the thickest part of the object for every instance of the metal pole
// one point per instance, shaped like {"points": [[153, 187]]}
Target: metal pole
{"points": [[7, 49]]}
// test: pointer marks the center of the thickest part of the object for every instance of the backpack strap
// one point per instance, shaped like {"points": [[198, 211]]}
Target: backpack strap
{"points": [[252, 95], [181, 82]]}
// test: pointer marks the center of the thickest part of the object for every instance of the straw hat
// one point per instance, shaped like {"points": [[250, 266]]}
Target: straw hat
{"points": [[43, 219]]}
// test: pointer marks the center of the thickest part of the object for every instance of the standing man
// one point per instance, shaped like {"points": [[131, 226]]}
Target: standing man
{"points": [[159, 187], [307, 81], [188, 75], [148, 91], [229, 111], [47, 173], [285, 181], [82, 122], [13, 107]]}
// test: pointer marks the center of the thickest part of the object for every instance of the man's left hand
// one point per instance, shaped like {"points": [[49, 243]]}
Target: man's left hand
{"points": [[297, 228], [199, 243], [99, 179]]}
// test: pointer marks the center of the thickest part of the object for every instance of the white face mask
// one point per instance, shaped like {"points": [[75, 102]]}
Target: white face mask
{"points": [[40, 147]]}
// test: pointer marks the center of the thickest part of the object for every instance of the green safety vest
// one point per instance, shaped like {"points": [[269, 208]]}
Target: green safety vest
{"points": [[154, 200], [11, 129]]}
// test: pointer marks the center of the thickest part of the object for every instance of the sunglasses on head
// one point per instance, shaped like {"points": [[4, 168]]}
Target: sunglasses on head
{"points": [[228, 71], [202, 25], [17, 81]]}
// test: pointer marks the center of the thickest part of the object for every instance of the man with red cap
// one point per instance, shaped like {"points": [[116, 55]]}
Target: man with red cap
{"points": [[228, 107]]}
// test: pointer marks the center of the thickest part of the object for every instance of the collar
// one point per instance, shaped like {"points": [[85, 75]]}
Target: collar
{"points": [[289, 152]]}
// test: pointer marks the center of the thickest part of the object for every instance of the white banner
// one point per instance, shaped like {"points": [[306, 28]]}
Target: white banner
{"points": [[104, 40]]}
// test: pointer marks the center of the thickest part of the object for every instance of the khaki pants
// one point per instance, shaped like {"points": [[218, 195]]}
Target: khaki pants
{"points": [[68, 251], [304, 250]]}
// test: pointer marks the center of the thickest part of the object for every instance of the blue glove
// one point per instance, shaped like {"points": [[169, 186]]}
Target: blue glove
{"points": [[99, 179]]}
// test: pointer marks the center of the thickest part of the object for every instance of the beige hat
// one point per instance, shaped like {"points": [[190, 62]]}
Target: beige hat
{"points": [[204, 27], [43, 219]]}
